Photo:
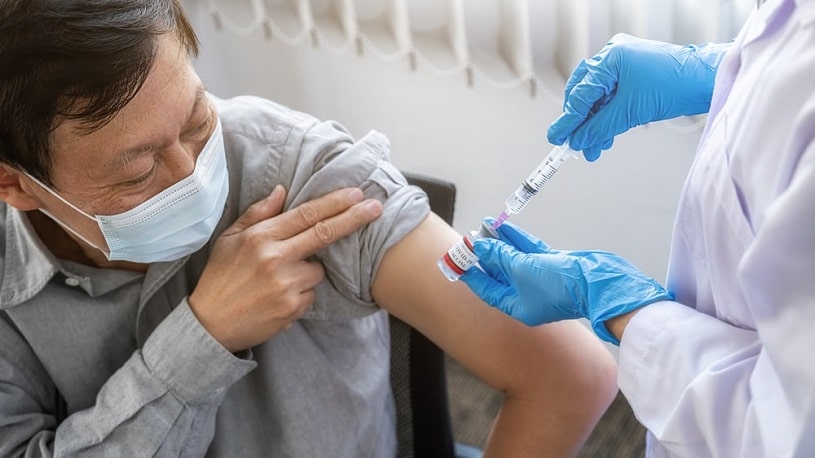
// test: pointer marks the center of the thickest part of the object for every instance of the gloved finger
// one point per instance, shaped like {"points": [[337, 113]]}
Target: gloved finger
{"points": [[489, 221], [607, 123], [563, 126], [522, 240], [493, 270], [592, 153], [577, 75], [484, 286], [568, 121], [596, 83], [501, 296], [598, 105], [495, 256], [596, 260]]}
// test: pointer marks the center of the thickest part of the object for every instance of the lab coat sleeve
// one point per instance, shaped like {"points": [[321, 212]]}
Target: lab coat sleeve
{"points": [[706, 388], [161, 402]]}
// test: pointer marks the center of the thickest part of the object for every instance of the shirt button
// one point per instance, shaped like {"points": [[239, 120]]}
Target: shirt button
{"points": [[71, 281]]}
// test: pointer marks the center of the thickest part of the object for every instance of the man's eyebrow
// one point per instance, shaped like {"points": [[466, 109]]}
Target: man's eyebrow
{"points": [[200, 96]]}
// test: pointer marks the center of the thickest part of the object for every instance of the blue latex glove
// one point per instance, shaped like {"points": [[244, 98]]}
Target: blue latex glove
{"points": [[526, 279], [631, 82]]}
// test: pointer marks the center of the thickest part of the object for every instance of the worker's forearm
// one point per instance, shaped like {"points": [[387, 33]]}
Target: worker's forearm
{"points": [[616, 326]]}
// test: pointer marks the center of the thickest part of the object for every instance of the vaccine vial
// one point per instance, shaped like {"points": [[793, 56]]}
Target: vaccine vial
{"points": [[461, 257]]}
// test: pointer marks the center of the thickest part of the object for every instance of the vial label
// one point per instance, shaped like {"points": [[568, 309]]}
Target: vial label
{"points": [[461, 257]]}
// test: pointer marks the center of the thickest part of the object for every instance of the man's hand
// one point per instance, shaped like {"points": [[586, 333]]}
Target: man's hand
{"points": [[257, 281]]}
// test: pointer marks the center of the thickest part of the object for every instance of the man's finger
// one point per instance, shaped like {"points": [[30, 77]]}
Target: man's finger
{"points": [[308, 274], [306, 215], [328, 231], [261, 210]]}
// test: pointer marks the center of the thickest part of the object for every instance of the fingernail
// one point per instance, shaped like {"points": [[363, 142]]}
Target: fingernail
{"points": [[373, 206], [276, 191], [355, 194]]}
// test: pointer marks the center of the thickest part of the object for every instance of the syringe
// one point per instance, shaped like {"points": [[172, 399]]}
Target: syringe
{"points": [[534, 182], [461, 256]]}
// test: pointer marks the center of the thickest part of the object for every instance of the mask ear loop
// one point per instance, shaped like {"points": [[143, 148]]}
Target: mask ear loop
{"points": [[77, 234], [54, 193], [63, 225]]}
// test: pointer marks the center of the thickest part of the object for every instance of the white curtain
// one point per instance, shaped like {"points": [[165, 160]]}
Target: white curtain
{"points": [[506, 43]]}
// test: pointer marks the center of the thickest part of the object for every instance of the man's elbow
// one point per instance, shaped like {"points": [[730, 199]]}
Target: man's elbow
{"points": [[578, 378]]}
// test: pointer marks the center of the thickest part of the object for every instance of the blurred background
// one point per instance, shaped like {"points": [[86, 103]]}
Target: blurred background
{"points": [[465, 90]]}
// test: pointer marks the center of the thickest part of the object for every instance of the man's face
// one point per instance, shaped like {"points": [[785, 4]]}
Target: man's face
{"points": [[151, 144]]}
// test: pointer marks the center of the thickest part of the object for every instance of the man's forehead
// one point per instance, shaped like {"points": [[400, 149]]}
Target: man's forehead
{"points": [[170, 81], [162, 104]]}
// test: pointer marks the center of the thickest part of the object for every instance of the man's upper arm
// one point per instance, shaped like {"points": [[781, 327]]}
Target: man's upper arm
{"points": [[328, 158], [500, 350]]}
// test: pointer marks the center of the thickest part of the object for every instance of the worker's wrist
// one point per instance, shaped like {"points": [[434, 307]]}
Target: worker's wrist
{"points": [[616, 326]]}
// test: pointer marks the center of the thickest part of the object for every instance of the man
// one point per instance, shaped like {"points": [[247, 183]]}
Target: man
{"points": [[155, 300]]}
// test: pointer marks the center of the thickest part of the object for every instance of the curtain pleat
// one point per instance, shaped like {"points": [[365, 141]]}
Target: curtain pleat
{"points": [[505, 43]]}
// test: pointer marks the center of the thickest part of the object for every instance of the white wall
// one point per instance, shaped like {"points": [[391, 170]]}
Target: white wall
{"points": [[482, 138]]}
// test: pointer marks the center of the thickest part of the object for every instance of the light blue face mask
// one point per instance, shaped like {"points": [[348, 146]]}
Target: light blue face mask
{"points": [[174, 223]]}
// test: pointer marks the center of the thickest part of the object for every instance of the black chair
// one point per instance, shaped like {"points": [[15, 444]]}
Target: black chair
{"points": [[418, 375]]}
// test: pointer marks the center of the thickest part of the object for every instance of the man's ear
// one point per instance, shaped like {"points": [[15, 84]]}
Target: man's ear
{"points": [[12, 193]]}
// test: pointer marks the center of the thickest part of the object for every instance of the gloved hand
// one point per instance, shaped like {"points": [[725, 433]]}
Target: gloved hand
{"points": [[631, 82], [529, 281]]}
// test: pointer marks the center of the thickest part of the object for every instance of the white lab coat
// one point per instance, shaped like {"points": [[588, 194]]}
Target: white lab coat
{"points": [[728, 370]]}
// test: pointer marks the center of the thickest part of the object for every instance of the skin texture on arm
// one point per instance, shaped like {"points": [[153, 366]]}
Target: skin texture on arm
{"points": [[558, 379]]}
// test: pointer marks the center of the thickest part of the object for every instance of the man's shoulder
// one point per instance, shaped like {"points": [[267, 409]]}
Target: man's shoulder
{"points": [[261, 120]]}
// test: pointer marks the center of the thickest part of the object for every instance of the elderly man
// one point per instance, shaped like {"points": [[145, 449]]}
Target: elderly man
{"points": [[157, 300]]}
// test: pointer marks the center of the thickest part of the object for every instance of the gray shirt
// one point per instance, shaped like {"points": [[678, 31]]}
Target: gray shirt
{"points": [[140, 376]]}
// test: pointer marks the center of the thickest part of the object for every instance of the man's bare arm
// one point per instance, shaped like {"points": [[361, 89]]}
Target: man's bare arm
{"points": [[558, 379]]}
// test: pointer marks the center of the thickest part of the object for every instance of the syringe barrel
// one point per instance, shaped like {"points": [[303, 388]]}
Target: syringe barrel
{"points": [[535, 181]]}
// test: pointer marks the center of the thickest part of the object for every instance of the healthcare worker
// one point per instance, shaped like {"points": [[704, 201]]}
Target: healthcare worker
{"points": [[719, 364]]}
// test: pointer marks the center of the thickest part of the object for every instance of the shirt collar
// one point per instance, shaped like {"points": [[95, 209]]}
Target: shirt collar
{"points": [[28, 266]]}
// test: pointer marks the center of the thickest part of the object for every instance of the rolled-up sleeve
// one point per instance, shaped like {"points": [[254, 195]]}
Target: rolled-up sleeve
{"points": [[329, 159]]}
